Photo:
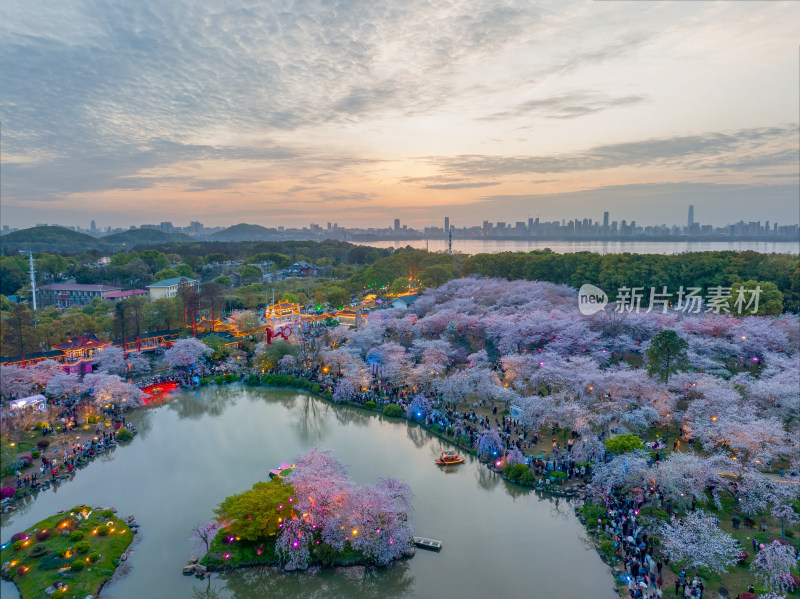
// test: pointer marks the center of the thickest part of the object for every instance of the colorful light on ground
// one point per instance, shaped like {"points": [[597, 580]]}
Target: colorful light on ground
{"points": [[227, 556]]}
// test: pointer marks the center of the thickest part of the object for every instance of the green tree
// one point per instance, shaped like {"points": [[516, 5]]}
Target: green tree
{"points": [[743, 295], [667, 354], [184, 270], [623, 443], [155, 260], [337, 297], [257, 513], [224, 281], [270, 355], [18, 332], [437, 274], [167, 273], [399, 285], [251, 296], [250, 274]]}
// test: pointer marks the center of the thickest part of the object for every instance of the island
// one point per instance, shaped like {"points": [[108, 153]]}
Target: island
{"points": [[314, 515], [70, 554]]}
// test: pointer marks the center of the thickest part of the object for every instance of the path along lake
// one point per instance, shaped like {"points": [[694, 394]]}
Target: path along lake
{"points": [[495, 246], [499, 540]]}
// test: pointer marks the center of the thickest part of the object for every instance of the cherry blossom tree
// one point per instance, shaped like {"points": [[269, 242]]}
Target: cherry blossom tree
{"points": [[489, 444], [419, 407], [203, 534], [287, 363], [185, 353], [514, 457], [773, 566], [697, 541], [110, 388], [62, 384], [112, 360]]}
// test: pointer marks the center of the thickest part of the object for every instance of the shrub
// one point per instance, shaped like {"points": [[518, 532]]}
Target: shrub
{"points": [[393, 410], [84, 546], [93, 419], [102, 530], [623, 443], [35, 454], [107, 514], [21, 571], [93, 557], [7, 492], [26, 460], [43, 443], [369, 404], [526, 478], [18, 545], [608, 548], [252, 380], [39, 551], [43, 535], [77, 565], [515, 472], [558, 476], [124, 435], [53, 561], [326, 554], [18, 536]]}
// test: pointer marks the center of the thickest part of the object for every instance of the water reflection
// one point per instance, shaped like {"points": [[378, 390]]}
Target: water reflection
{"points": [[344, 583], [211, 401], [487, 479], [310, 423], [419, 437]]}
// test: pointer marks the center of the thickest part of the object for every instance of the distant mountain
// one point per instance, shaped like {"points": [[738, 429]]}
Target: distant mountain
{"points": [[49, 239], [245, 232], [136, 237]]}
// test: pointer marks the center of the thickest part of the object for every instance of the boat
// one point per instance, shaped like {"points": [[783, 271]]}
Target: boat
{"points": [[449, 457], [425, 543], [282, 471]]}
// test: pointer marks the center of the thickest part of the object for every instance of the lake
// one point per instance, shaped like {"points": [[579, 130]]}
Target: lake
{"points": [[499, 540], [494, 246]]}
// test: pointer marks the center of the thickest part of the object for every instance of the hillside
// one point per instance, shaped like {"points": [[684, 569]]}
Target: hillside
{"points": [[245, 232], [49, 239], [136, 237]]}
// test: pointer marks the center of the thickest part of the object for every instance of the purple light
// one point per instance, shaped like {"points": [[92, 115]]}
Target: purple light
{"points": [[391, 541], [291, 499], [295, 544], [541, 363], [280, 507], [227, 555]]}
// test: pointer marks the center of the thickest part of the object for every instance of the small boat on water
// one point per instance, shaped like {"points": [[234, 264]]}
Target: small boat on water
{"points": [[449, 457], [282, 471]]}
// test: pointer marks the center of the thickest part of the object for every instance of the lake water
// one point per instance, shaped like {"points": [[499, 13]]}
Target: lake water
{"points": [[499, 540], [494, 246]]}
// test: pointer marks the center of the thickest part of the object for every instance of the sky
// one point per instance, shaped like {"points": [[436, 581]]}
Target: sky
{"points": [[358, 112]]}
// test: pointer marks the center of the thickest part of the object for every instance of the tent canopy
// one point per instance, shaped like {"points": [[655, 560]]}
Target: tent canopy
{"points": [[27, 401]]}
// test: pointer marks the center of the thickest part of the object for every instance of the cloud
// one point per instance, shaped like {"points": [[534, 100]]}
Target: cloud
{"points": [[682, 151], [567, 106], [463, 185]]}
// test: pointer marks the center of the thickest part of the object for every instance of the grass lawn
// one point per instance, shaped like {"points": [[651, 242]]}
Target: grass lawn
{"points": [[69, 548], [224, 554]]}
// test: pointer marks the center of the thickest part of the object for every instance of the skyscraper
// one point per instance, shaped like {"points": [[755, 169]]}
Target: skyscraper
{"points": [[446, 224], [605, 222], [691, 215], [93, 227], [397, 224]]}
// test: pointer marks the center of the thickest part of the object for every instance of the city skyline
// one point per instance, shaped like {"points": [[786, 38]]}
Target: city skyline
{"points": [[366, 112], [532, 228]]}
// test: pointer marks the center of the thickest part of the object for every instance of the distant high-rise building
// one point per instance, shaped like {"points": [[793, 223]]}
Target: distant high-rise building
{"points": [[397, 224], [93, 227], [691, 215], [446, 224], [605, 221]]}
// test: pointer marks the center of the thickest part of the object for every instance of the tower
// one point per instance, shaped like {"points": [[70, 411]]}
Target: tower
{"points": [[446, 224], [691, 215]]}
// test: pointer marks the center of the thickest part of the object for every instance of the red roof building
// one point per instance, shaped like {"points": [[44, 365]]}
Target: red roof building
{"points": [[81, 347], [64, 295]]}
